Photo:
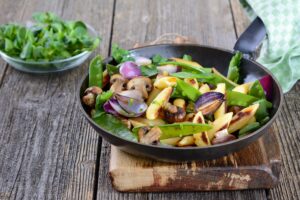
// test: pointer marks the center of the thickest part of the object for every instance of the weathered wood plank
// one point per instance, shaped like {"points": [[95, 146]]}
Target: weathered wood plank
{"points": [[48, 151], [241, 170], [287, 126], [207, 22]]}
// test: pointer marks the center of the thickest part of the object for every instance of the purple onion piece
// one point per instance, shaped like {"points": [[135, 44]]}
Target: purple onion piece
{"points": [[108, 109], [131, 105], [130, 70], [168, 68], [267, 84], [209, 102], [136, 94], [223, 139], [142, 61]]}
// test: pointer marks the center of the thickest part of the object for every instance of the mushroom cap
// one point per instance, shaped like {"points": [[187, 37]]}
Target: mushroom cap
{"points": [[116, 77], [138, 82]]}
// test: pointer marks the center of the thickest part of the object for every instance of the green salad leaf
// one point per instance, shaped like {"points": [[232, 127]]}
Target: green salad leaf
{"points": [[121, 55], [49, 38], [148, 70], [156, 59]]}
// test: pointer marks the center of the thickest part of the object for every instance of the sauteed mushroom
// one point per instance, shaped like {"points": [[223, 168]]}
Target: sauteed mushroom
{"points": [[90, 95], [149, 135], [118, 83], [142, 84]]}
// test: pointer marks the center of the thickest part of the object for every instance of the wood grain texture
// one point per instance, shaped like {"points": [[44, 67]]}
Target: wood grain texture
{"points": [[256, 166], [286, 125], [48, 151], [206, 22]]}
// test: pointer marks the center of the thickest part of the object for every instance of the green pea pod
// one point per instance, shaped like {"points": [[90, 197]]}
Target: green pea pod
{"points": [[187, 66], [239, 99], [102, 98], [96, 72], [178, 129], [257, 90], [185, 90], [249, 128], [219, 78], [262, 111], [233, 69], [115, 126]]}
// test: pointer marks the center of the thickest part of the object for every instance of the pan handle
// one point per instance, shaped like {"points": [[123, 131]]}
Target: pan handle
{"points": [[251, 38]]}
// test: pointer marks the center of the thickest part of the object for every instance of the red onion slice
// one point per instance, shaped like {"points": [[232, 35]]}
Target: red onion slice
{"points": [[209, 102], [130, 70], [131, 105], [266, 83]]}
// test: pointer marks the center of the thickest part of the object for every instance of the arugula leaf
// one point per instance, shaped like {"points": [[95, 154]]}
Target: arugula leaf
{"points": [[233, 69], [156, 59], [149, 70], [185, 90], [257, 90], [114, 126], [120, 55]]}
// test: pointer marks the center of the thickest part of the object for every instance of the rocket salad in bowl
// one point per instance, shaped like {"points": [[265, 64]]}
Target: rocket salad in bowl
{"points": [[174, 101]]}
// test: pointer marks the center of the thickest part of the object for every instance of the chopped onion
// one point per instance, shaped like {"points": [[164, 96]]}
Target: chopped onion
{"points": [[142, 61], [168, 68], [130, 70], [266, 83]]}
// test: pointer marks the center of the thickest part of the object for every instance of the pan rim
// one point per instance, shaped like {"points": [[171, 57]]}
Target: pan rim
{"points": [[265, 126]]}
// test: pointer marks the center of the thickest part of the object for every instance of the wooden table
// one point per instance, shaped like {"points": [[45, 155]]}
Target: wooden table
{"points": [[48, 150]]}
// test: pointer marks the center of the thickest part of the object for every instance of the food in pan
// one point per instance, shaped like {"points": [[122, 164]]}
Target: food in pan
{"points": [[174, 101]]}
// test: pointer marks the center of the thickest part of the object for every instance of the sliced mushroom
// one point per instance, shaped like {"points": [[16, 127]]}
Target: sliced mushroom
{"points": [[90, 95], [142, 84], [149, 136], [118, 83], [173, 113]]}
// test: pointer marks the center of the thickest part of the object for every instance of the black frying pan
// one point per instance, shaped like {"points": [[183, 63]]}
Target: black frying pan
{"points": [[210, 57]]}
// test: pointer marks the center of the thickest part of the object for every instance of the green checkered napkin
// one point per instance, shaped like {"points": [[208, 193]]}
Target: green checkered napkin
{"points": [[280, 52]]}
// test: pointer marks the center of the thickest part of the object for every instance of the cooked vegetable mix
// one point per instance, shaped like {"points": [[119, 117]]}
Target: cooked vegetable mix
{"points": [[174, 101], [48, 38]]}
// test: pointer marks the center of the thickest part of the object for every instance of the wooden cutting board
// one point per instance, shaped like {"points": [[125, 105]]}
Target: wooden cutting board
{"points": [[256, 166]]}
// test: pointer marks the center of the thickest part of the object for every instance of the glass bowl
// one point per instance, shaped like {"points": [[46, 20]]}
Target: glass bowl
{"points": [[42, 67]]}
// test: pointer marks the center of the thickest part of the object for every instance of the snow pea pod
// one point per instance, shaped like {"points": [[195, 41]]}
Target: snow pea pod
{"points": [[187, 66], [233, 69], [96, 72], [239, 99], [178, 129], [185, 90], [257, 90], [249, 128], [115, 126]]}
